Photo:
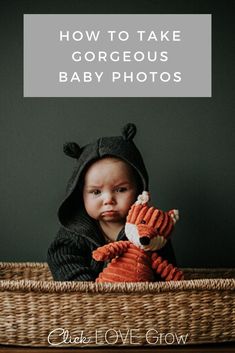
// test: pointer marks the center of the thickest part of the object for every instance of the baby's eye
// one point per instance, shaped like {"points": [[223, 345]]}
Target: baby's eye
{"points": [[121, 189], [143, 222], [95, 192]]}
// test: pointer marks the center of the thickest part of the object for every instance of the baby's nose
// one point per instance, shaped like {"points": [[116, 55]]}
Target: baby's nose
{"points": [[108, 198]]}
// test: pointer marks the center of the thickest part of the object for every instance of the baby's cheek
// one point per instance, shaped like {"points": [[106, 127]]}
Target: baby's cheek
{"points": [[131, 201], [91, 208]]}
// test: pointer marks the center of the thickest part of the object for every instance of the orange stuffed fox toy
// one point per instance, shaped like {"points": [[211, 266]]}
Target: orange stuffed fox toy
{"points": [[136, 259]]}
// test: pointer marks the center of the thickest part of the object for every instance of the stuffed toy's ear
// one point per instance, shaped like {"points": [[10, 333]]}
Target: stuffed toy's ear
{"points": [[143, 198], [72, 149], [129, 131]]}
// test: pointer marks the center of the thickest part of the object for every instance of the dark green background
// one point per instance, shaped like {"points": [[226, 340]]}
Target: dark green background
{"points": [[187, 143]]}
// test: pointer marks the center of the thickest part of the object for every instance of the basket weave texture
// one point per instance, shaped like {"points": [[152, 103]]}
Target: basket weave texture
{"points": [[35, 310]]}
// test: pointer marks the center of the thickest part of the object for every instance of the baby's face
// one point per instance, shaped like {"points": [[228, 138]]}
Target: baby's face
{"points": [[109, 190]]}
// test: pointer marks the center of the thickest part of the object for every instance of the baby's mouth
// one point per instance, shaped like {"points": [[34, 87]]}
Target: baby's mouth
{"points": [[109, 213]]}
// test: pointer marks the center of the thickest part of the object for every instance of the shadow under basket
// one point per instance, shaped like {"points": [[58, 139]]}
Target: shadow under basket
{"points": [[37, 311]]}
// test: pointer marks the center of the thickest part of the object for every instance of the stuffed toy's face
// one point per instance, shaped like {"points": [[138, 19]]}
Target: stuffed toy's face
{"points": [[148, 228]]}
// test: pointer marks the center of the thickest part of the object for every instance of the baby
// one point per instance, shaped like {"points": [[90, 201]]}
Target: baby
{"points": [[108, 177]]}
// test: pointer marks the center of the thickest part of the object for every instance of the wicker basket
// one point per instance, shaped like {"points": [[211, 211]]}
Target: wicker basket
{"points": [[36, 311]]}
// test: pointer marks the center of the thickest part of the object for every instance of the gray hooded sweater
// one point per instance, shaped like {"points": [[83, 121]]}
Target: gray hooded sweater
{"points": [[70, 254]]}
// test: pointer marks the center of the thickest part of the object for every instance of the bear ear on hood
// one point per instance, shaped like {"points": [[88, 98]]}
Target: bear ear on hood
{"points": [[72, 149], [129, 131]]}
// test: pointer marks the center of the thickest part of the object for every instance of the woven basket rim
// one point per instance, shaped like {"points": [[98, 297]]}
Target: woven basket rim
{"points": [[30, 264], [51, 286], [26, 264], [127, 287]]}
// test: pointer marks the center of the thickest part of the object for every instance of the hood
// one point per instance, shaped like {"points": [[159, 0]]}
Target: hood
{"points": [[72, 210]]}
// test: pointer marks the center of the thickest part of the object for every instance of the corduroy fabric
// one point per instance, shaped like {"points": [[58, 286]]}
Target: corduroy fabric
{"points": [[70, 255]]}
